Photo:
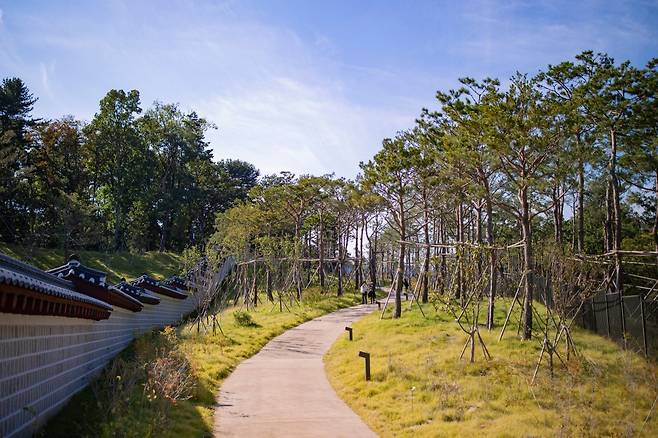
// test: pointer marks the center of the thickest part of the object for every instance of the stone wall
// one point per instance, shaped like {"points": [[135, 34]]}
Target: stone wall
{"points": [[44, 360]]}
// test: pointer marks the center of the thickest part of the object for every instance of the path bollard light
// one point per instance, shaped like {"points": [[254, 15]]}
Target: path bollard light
{"points": [[379, 305], [349, 330], [366, 356]]}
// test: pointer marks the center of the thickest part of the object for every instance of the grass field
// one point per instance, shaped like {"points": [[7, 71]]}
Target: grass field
{"points": [[115, 407], [117, 265], [420, 388]]}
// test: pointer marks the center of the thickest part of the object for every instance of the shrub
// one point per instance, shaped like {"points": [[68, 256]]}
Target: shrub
{"points": [[169, 377], [244, 319]]}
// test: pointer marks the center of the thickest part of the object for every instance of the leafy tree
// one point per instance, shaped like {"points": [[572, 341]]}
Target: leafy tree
{"points": [[60, 184], [523, 141], [16, 127], [640, 160], [177, 143], [390, 175], [563, 85], [466, 109], [118, 162], [609, 97]]}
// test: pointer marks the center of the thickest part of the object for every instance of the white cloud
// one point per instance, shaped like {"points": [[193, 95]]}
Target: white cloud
{"points": [[285, 124], [279, 102], [45, 72]]}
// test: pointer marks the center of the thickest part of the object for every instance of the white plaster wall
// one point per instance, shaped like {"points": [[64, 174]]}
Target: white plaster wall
{"points": [[44, 360]]}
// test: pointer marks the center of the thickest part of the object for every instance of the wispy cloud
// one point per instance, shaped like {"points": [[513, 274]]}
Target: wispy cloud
{"points": [[289, 125], [45, 72], [307, 88], [546, 34], [279, 101]]}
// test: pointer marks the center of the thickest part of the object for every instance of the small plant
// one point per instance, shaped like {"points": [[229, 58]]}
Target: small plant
{"points": [[169, 377], [244, 319]]}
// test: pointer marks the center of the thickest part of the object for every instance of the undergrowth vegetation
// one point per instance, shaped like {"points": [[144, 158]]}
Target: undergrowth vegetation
{"points": [[420, 388], [165, 384], [135, 393]]}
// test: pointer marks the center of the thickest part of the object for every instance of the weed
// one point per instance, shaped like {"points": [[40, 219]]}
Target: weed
{"points": [[244, 319]]}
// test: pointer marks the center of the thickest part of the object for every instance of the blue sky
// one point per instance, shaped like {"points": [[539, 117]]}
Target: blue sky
{"points": [[305, 86]]}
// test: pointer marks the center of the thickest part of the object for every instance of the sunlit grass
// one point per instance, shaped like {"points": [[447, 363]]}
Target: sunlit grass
{"points": [[212, 357], [117, 264], [608, 392]]}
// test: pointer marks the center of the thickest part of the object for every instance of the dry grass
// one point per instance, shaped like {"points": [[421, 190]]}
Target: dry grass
{"points": [[607, 392]]}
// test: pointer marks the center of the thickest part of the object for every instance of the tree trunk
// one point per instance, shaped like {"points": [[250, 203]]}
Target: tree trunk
{"points": [[399, 282], [400, 271], [268, 284], [581, 205], [297, 264], [608, 233], [493, 272], [426, 267], [527, 263], [117, 226], [340, 267], [444, 263], [372, 253], [373, 266], [655, 221], [557, 214], [306, 253], [321, 252], [255, 285], [360, 253], [614, 183], [357, 271], [478, 234], [460, 239]]}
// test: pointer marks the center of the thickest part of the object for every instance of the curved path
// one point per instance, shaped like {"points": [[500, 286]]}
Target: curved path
{"points": [[283, 391]]}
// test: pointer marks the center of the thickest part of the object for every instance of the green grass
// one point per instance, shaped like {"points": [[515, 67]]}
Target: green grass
{"points": [[607, 392], [212, 358], [118, 264]]}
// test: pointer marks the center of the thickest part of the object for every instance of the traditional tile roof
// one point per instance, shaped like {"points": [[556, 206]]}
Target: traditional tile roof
{"points": [[19, 276], [92, 282], [74, 267], [177, 282], [150, 283], [138, 293]]}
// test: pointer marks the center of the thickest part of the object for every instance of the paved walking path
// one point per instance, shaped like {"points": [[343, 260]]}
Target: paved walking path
{"points": [[283, 391]]}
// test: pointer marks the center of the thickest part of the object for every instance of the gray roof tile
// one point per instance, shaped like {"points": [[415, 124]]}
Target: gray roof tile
{"points": [[17, 273]]}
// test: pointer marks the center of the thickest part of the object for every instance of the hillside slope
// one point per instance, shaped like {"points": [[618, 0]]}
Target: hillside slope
{"points": [[120, 264]]}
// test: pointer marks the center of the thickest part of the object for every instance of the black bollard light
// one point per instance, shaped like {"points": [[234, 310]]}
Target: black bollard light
{"points": [[366, 356], [349, 330]]}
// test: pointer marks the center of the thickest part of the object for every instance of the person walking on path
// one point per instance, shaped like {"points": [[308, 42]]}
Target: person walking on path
{"points": [[372, 294], [364, 293]]}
